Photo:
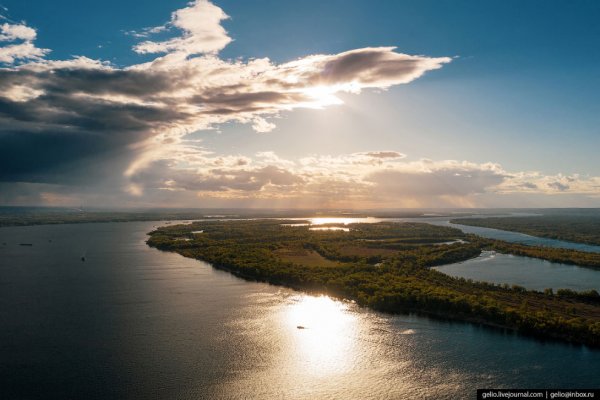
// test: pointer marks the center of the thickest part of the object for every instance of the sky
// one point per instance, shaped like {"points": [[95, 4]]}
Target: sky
{"points": [[275, 103]]}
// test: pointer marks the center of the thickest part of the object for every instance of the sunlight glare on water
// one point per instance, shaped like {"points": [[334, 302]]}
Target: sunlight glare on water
{"points": [[323, 339], [330, 228]]}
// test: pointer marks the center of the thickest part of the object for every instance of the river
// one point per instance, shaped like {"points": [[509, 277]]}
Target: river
{"points": [[132, 322], [513, 237]]}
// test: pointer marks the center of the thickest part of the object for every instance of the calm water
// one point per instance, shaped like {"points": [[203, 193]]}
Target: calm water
{"points": [[134, 322], [531, 273]]}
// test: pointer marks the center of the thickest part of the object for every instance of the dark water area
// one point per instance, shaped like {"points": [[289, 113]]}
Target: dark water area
{"points": [[132, 322]]}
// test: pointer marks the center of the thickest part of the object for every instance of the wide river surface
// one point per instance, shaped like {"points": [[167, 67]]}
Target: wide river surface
{"points": [[133, 322]]}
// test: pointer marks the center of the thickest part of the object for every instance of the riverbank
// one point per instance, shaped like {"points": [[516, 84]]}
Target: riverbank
{"points": [[583, 229], [385, 267], [552, 254]]}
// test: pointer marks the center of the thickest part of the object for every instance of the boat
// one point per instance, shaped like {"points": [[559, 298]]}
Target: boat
{"points": [[300, 327], [83, 258], [25, 244]]}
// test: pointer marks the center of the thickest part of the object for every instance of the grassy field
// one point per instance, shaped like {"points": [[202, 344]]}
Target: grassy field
{"points": [[361, 251], [308, 258]]}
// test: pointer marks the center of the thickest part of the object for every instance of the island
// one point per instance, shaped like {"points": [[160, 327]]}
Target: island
{"points": [[386, 266]]}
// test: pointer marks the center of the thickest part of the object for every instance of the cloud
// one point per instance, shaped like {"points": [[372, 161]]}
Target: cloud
{"points": [[322, 180], [162, 175], [23, 51], [559, 184], [427, 178], [63, 112], [261, 125], [146, 32], [120, 135], [12, 32], [385, 154], [359, 180], [529, 185], [200, 23], [371, 67], [561, 187]]}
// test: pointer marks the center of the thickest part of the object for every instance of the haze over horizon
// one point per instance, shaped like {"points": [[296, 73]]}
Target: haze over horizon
{"points": [[282, 105]]}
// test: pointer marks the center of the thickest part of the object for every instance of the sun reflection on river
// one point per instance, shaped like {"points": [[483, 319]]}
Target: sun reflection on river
{"points": [[345, 221], [324, 333]]}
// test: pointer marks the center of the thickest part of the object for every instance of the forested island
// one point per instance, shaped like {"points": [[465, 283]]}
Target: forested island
{"points": [[571, 228], [385, 266]]}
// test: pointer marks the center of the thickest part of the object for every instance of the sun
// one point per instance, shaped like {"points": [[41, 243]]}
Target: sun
{"points": [[320, 97]]}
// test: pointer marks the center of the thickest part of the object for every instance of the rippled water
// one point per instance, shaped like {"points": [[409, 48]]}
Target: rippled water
{"points": [[134, 322]]}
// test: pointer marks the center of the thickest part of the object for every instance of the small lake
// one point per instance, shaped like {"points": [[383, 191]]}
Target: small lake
{"points": [[531, 273]]}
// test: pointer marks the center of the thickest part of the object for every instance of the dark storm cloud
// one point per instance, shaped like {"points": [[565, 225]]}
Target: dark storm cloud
{"points": [[59, 128], [80, 79], [54, 111], [57, 157]]}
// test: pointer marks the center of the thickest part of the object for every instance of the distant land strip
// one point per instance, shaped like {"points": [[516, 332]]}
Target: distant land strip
{"points": [[576, 228]]}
